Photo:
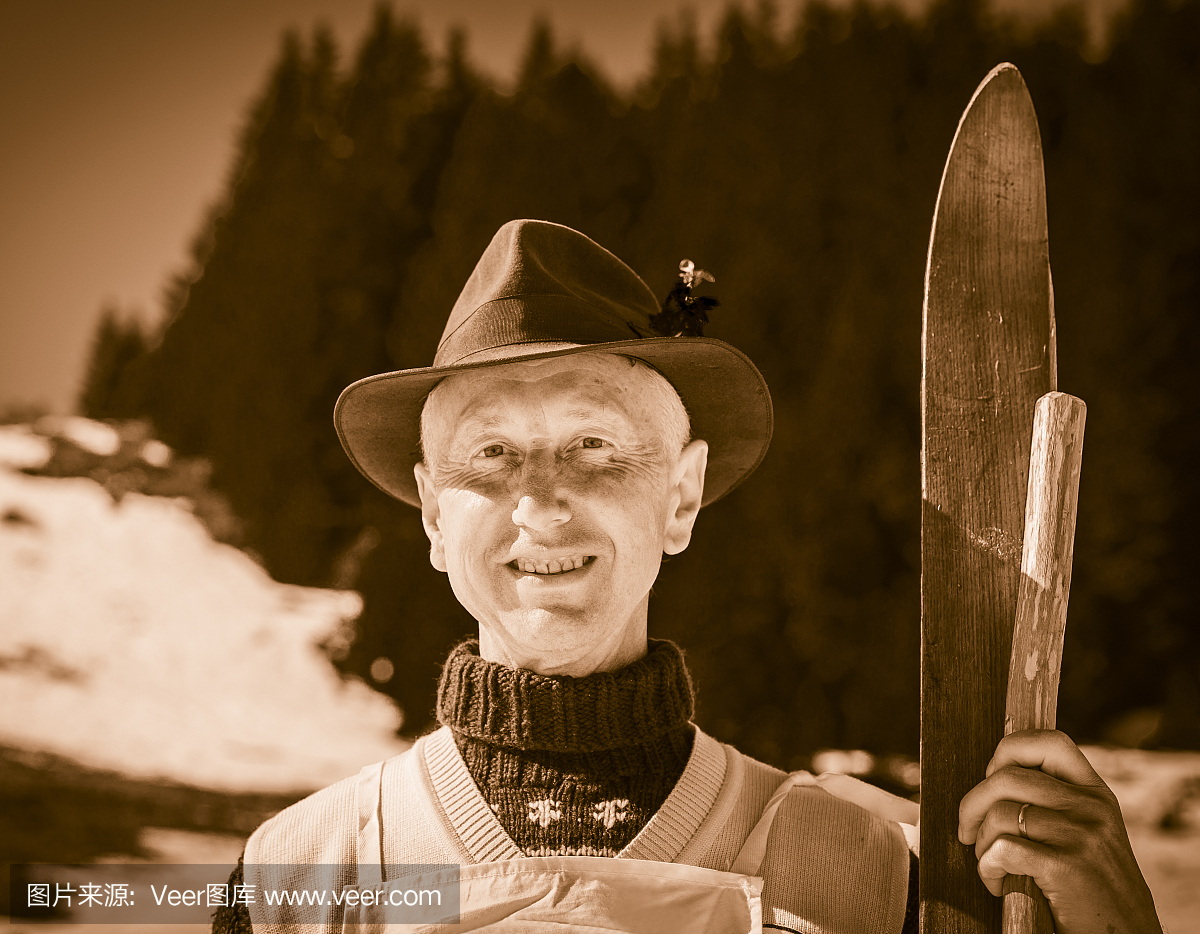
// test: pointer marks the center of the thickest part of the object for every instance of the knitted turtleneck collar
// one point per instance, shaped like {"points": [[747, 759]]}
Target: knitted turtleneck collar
{"points": [[520, 709]]}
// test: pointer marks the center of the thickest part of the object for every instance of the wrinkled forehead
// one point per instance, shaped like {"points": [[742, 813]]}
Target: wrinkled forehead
{"points": [[595, 384], [595, 376]]}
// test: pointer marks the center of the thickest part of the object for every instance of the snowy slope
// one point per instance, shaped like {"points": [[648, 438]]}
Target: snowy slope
{"points": [[130, 640]]}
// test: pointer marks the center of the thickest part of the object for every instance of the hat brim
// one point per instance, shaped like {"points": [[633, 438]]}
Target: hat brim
{"points": [[378, 418]]}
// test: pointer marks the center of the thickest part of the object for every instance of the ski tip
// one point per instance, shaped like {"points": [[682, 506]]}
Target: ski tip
{"points": [[1006, 75], [1002, 67], [1004, 88]]}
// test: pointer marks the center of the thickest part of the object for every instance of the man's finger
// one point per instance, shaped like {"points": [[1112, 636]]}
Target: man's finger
{"points": [[1041, 825], [1009, 855], [1012, 784], [1049, 750]]}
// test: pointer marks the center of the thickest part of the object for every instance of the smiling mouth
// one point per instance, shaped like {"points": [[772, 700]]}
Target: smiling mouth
{"points": [[553, 566]]}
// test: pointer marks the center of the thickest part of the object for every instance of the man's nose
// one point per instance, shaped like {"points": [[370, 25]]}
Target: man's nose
{"points": [[539, 505]]}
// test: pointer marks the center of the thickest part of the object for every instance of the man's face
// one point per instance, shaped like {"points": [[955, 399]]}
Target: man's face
{"points": [[550, 496]]}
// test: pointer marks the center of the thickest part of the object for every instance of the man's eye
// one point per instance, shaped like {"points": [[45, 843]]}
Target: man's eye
{"points": [[493, 450], [592, 443]]}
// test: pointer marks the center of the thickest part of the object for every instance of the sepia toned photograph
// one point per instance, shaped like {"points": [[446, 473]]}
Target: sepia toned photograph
{"points": [[650, 466]]}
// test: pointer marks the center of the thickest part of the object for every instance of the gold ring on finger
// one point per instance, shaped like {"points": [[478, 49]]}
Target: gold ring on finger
{"points": [[1021, 822]]}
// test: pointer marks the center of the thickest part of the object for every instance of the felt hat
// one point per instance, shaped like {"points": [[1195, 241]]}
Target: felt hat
{"points": [[544, 290]]}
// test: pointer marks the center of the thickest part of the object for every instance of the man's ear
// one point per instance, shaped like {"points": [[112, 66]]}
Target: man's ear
{"points": [[430, 516], [687, 491]]}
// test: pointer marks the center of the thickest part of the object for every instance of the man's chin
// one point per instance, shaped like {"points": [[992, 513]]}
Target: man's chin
{"points": [[557, 631], [556, 624]]}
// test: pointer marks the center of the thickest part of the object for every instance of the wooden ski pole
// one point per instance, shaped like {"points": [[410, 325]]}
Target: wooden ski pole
{"points": [[1041, 618]]}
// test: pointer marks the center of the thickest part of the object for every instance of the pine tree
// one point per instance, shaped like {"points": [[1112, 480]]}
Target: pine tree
{"points": [[118, 342], [541, 59]]}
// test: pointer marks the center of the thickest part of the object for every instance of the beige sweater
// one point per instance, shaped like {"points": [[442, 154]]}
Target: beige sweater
{"points": [[829, 865]]}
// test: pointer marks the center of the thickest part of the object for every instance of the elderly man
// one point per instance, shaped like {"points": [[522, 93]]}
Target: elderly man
{"points": [[557, 449]]}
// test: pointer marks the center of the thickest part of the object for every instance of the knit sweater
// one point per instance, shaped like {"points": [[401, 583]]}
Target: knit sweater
{"points": [[570, 766]]}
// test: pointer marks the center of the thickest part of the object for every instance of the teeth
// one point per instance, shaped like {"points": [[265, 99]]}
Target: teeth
{"points": [[553, 566]]}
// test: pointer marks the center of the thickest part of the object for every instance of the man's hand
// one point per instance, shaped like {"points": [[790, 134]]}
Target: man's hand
{"points": [[1076, 847]]}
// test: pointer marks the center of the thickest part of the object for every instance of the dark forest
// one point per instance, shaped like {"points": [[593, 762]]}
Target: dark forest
{"points": [[801, 168]]}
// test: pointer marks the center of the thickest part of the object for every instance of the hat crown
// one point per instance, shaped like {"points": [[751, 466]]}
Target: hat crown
{"points": [[539, 282], [542, 290]]}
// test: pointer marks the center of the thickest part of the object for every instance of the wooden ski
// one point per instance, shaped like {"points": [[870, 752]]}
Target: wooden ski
{"points": [[988, 355]]}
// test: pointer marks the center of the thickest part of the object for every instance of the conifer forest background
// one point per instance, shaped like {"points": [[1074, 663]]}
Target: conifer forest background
{"points": [[801, 167]]}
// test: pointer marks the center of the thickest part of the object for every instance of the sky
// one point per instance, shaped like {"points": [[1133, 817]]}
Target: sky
{"points": [[117, 126]]}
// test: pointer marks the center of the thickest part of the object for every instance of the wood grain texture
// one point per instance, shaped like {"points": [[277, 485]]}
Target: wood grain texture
{"points": [[1026, 910], [1049, 543], [988, 355], [1056, 457]]}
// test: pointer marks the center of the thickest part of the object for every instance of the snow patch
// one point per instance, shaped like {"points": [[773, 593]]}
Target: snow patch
{"points": [[21, 449], [130, 640], [96, 437]]}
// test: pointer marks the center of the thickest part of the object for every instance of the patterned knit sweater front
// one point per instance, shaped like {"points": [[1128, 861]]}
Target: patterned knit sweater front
{"points": [[571, 766]]}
